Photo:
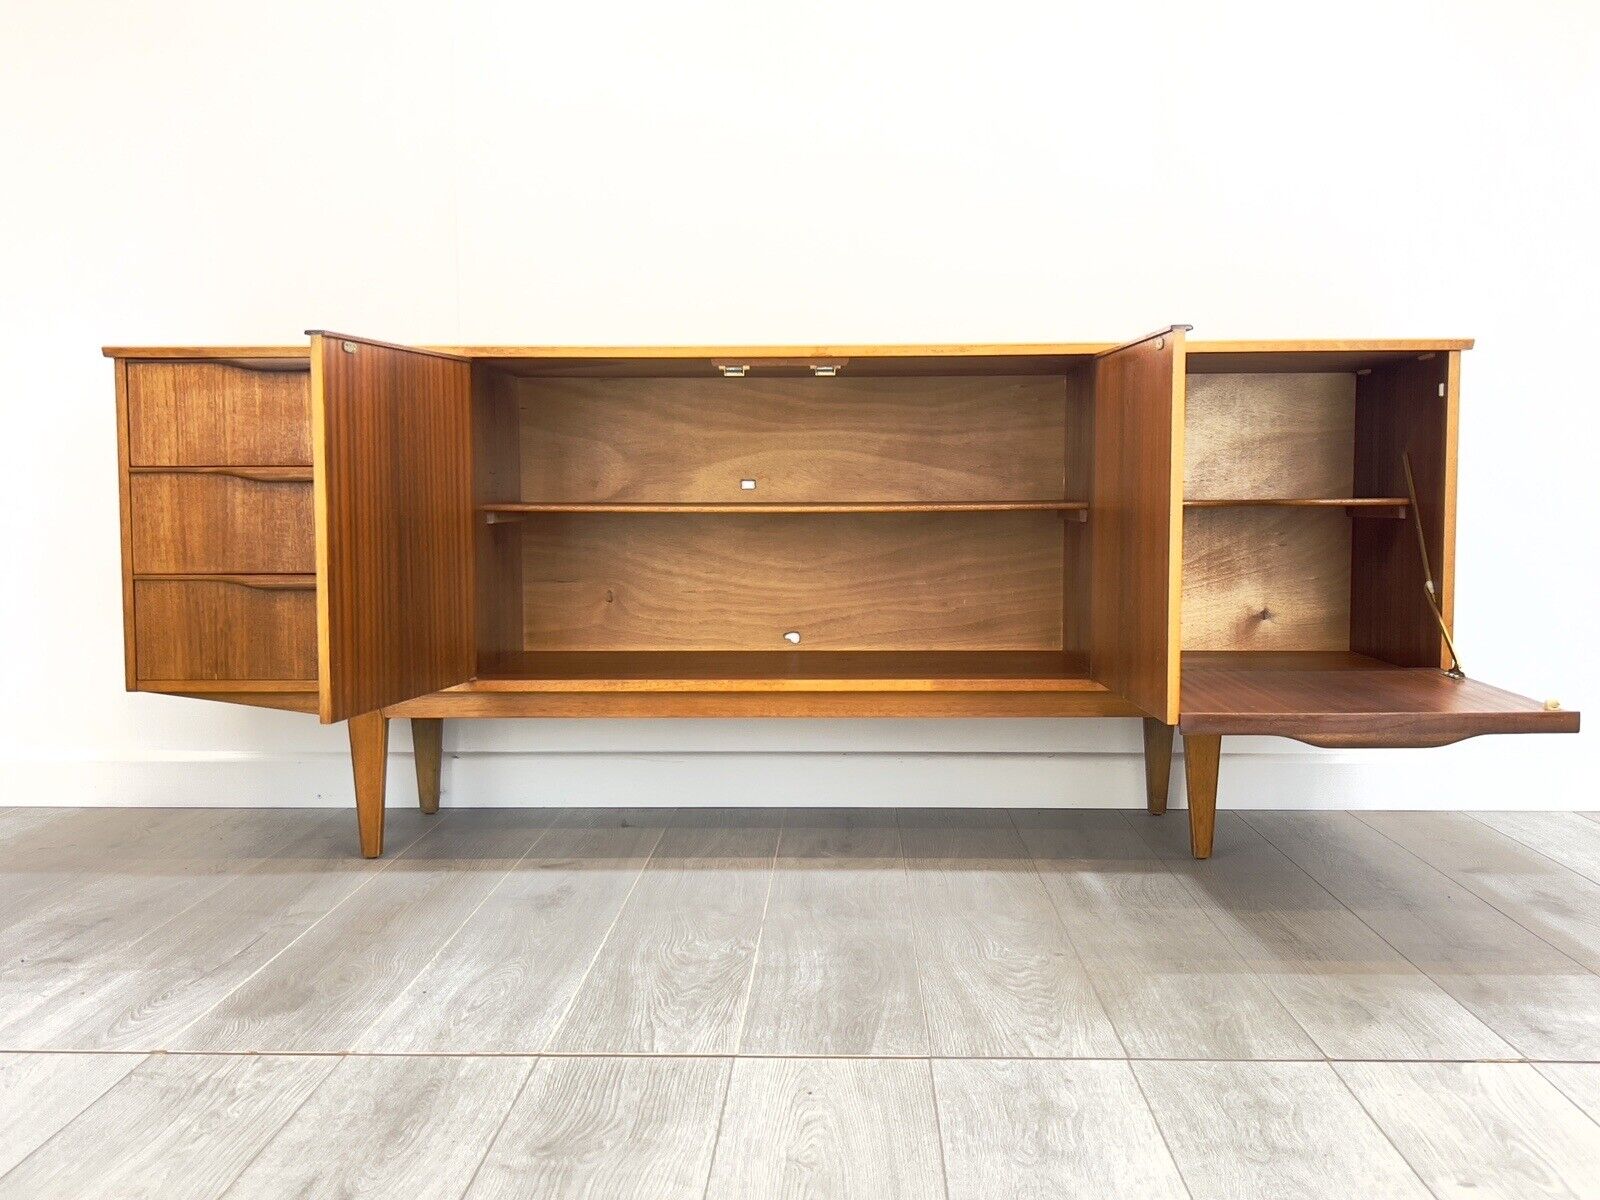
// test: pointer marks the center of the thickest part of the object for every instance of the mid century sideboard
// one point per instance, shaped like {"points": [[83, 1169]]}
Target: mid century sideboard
{"points": [[1217, 537]]}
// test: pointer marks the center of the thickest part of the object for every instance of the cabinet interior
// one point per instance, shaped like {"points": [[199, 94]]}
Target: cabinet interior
{"points": [[1299, 534], [914, 518]]}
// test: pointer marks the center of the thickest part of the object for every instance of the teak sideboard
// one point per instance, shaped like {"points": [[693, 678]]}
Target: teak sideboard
{"points": [[1217, 537]]}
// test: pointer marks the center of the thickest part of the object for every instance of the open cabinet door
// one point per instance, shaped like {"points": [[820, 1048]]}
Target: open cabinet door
{"points": [[1136, 521], [392, 448]]}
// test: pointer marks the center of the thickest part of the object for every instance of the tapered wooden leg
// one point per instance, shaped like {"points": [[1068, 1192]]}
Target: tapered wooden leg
{"points": [[369, 756], [1202, 755], [1157, 764], [427, 737]]}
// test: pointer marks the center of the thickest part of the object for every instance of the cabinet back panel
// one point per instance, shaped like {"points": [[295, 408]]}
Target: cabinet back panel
{"points": [[1254, 437], [800, 439], [962, 581], [1266, 579]]}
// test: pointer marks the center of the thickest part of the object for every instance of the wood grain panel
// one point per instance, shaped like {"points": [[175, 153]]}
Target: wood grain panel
{"points": [[1266, 436], [987, 581], [194, 629], [210, 413], [1266, 579], [394, 510], [1136, 522], [1412, 406], [800, 439], [188, 523]]}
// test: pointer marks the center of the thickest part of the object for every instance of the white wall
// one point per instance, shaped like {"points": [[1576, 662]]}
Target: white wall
{"points": [[876, 172]]}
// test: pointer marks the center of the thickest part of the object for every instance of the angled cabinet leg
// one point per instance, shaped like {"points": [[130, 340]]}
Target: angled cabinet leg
{"points": [[369, 757], [1202, 755], [1157, 764], [427, 737]]}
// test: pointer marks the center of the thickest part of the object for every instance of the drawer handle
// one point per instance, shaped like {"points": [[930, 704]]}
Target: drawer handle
{"points": [[254, 474], [272, 583], [265, 583]]}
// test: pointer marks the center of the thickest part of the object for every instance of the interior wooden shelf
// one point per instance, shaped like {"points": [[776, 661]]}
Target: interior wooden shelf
{"points": [[757, 508], [782, 670], [1379, 506]]}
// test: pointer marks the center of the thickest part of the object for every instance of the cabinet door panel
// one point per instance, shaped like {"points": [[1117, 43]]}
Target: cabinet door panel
{"points": [[392, 431], [1136, 522]]}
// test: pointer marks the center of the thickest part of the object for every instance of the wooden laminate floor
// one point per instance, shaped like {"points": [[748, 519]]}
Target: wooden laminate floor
{"points": [[821, 1003]]}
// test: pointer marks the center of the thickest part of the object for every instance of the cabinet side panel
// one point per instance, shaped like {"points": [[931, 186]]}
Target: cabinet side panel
{"points": [[394, 507], [1410, 406], [497, 467], [1136, 522], [129, 661], [1076, 556]]}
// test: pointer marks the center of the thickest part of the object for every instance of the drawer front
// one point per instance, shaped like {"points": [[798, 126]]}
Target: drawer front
{"points": [[207, 629], [221, 524], [217, 414]]}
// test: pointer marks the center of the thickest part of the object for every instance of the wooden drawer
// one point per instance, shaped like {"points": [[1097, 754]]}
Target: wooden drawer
{"points": [[235, 628], [217, 414], [224, 521]]}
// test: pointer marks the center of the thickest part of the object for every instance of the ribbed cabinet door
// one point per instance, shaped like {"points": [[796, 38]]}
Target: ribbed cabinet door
{"points": [[1136, 522], [392, 448]]}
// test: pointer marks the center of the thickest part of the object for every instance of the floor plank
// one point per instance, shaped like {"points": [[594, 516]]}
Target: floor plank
{"points": [[672, 976], [141, 995], [828, 1127], [1541, 895], [506, 979], [1356, 995], [1495, 1130], [1578, 1082], [1000, 976], [175, 1127], [79, 900], [1529, 993], [836, 971], [1245, 1131], [609, 1129], [1049, 1129], [1566, 837], [1171, 980], [414, 1126], [323, 992], [39, 1093]]}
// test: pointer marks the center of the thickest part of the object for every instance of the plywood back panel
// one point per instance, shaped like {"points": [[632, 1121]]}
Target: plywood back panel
{"points": [[1408, 406], [394, 513], [1136, 522], [967, 581], [1267, 578], [799, 439], [1250, 437]]}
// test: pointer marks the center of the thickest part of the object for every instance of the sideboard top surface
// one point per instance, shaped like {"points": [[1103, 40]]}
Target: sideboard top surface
{"points": [[1370, 346]]}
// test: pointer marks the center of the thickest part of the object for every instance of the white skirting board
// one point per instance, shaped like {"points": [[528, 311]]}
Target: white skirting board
{"points": [[1256, 773]]}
